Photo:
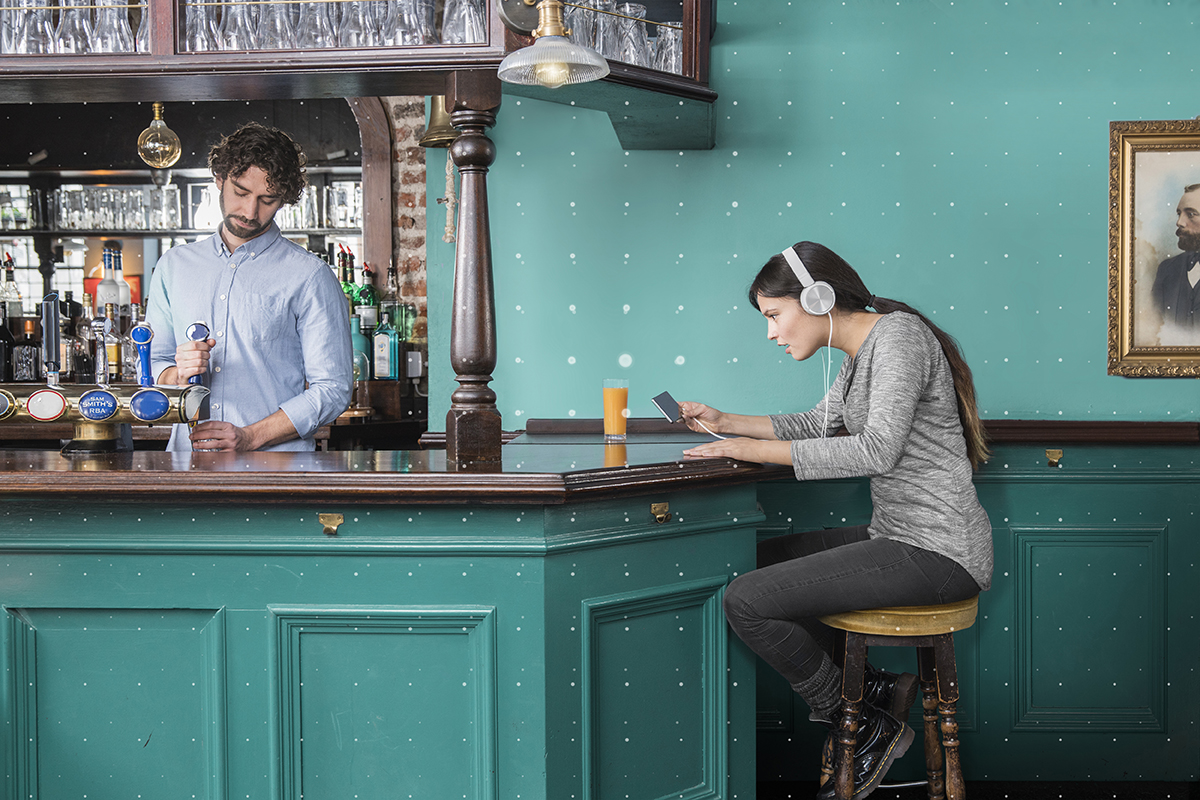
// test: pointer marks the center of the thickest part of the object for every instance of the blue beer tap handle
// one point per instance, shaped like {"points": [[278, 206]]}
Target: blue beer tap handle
{"points": [[197, 332], [141, 335]]}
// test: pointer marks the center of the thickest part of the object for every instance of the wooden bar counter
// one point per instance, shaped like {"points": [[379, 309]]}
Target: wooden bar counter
{"points": [[203, 625]]}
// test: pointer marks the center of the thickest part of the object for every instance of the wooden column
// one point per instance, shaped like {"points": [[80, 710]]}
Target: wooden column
{"points": [[375, 132], [473, 422]]}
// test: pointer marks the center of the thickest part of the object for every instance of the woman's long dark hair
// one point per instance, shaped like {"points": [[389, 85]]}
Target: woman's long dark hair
{"points": [[776, 279]]}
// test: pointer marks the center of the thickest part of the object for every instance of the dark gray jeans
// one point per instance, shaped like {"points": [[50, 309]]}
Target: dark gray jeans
{"points": [[805, 575]]}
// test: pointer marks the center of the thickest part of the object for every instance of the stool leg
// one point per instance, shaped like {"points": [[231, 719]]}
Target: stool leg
{"points": [[853, 666], [927, 669], [947, 675]]}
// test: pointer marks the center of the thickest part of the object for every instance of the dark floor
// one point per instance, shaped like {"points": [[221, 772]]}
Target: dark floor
{"points": [[991, 790]]}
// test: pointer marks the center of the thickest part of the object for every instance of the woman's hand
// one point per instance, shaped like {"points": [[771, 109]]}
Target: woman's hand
{"points": [[740, 449], [695, 413], [745, 449]]}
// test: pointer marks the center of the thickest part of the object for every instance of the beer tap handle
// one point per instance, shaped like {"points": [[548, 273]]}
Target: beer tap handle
{"points": [[100, 328], [51, 354], [197, 332], [141, 336]]}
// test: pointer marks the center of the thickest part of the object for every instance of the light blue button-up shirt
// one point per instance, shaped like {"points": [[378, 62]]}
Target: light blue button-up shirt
{"points": [[280, 321]]}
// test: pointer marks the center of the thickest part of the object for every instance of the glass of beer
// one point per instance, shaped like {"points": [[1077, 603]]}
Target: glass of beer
{"points": [[616, 409]]}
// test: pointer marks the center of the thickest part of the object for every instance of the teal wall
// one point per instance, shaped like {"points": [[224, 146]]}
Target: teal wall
{"points": [[956, 153]]}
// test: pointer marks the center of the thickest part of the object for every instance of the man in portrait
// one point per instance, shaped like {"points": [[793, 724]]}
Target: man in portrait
{"points": [[1175, 292]]}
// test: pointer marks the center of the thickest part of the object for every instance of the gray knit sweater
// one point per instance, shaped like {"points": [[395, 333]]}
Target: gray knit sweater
{"points": [[896, 399]]}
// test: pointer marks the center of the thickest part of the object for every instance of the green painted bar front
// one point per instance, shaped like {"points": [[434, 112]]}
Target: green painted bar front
{"points": [[548, 637], [170, 647]]}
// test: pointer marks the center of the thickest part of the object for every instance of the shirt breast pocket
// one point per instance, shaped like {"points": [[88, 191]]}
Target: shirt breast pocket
{"points": [[267, 318]]}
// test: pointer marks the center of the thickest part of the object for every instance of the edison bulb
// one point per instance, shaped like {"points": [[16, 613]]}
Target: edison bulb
{"points": [[552, 74], [158, 145]]}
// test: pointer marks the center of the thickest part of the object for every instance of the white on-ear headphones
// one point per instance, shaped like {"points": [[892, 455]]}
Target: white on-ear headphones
{"points": [[817, 297]]}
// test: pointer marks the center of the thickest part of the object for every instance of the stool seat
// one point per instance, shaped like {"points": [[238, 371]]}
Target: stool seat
{"points": [[931, 630], [907, 620]]}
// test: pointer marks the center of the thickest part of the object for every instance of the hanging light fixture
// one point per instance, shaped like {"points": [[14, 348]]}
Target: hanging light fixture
{"points": [[552, 60], [158, 145]]}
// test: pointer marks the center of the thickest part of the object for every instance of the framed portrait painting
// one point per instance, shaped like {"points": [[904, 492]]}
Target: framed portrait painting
{"points": [[1154, 249]]}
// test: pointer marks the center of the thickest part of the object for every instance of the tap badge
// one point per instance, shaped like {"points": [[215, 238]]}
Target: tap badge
{"points": [[149, 405], [98, 405], [46, 405]]}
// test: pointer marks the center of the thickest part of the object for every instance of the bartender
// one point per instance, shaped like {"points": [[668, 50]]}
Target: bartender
{"points": [[278, 358]]}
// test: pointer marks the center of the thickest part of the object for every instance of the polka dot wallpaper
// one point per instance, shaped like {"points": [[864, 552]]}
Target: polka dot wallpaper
{"points": [[956, 153]]}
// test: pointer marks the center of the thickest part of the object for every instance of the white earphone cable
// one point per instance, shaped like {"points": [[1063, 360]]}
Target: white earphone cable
{"points": [[828, 364], [702, 425]]}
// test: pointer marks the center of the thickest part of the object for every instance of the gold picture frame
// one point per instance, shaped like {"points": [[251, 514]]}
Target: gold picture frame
{"points": [[1151, 329]]}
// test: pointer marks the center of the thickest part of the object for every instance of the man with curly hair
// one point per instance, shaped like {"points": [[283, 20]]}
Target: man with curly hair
{"points": [[278, 360]]}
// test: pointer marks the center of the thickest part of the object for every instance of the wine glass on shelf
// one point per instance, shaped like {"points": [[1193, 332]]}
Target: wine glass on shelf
{"points": [[199, 28], [462, 22], [237, 28], [355, 29], [418, 24], [275, 30], [37, 29], [112, 33], [633, 46], [581, 21], [314, 29], [141, 41], [604, 31], [74, 27], [668, 50]]}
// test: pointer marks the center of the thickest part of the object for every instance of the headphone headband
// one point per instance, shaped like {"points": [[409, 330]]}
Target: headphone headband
{"points": [[817, 297], [793, 259]]}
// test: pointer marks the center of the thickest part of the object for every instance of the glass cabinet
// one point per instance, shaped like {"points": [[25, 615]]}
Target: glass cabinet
{"points": [[145, 50]]}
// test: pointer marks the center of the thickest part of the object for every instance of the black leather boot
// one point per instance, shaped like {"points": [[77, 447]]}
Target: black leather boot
{"points": [[890, 692], [880, 741]]}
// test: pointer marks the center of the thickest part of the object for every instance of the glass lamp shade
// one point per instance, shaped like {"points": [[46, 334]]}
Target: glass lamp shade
{"points": [[553, 61], [158, 145]]}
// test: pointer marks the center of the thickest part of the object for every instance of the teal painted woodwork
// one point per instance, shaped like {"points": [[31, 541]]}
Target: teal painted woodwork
{"points": [[956, 154], [1081, 664], [662, 648], [395, 700], [466, 651]]}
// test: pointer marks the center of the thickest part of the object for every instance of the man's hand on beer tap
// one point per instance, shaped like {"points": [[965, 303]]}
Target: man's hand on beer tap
{"points": [[191, 358]]}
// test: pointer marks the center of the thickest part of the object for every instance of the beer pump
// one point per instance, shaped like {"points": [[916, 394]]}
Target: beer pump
{"points": [[101, 414]]}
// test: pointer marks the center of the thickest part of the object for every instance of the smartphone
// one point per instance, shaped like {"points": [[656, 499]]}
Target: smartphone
{"points": [[667, 405]]}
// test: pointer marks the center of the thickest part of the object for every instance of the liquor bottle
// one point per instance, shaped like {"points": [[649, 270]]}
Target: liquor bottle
{"points": [[107, 290], [84, 357], [7, 343], [392, 290], [13, 305], [343, 262], [129, 354], [386, 351], [112, 343], [349, 288], [360, 342], [366, 302], [66, 350], [69, 308], [27, 357], [124, 294]]}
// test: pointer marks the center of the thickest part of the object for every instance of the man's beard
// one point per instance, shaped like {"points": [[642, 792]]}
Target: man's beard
{"points": [[1188, 242], [235, 225]]}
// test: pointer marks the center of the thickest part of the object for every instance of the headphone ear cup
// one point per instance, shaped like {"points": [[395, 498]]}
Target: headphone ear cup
{"points": [[818, 299]]}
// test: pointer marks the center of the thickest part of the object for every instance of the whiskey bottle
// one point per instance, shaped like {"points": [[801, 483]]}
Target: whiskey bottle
{"points": [[112, 343], [84, 358]]}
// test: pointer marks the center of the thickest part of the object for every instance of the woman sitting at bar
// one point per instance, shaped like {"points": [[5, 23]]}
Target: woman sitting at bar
{"points": [[905, 396]]}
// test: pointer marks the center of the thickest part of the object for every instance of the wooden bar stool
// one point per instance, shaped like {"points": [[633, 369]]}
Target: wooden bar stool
{"points": [[930, 629]]}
